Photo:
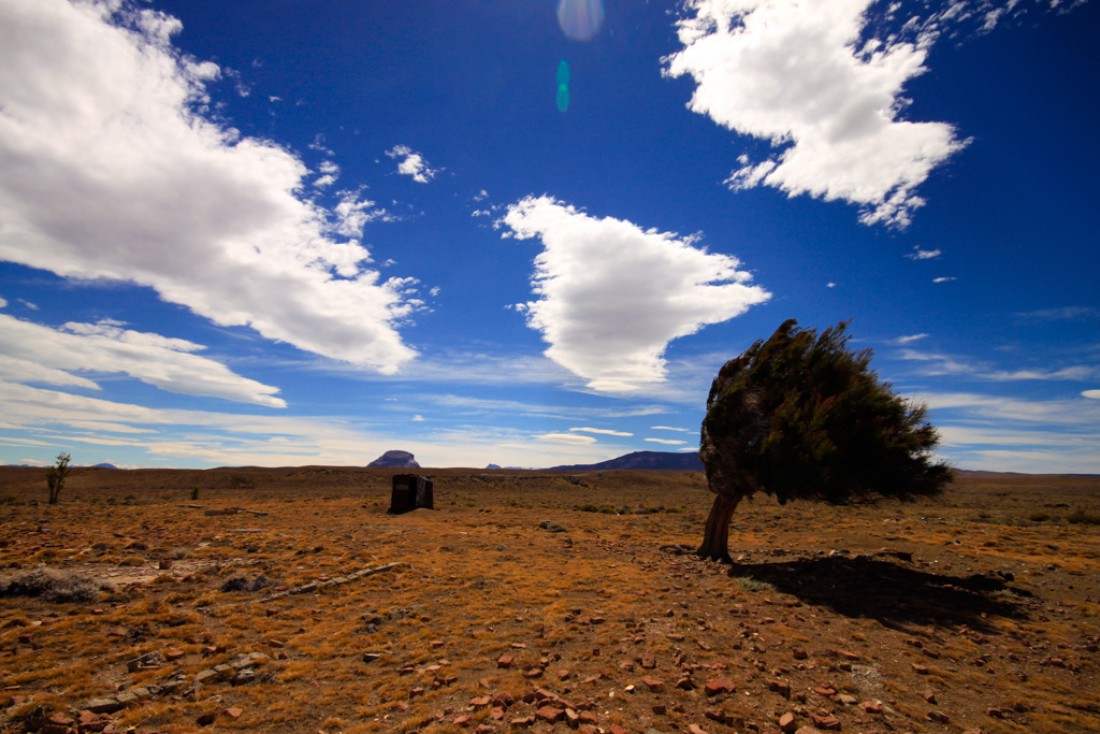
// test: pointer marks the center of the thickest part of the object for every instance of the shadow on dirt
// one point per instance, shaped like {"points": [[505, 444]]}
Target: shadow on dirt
{"points": [[889, 592]]}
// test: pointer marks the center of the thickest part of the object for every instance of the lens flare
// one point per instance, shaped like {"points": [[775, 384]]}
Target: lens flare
{"points": [[563, 86], [580, 20]]}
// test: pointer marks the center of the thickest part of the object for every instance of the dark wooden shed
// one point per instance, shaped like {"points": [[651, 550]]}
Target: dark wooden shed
{"points": [[411, 491]]}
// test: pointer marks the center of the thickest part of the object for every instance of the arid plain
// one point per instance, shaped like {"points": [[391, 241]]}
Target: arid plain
{"points": [[287, 600]]}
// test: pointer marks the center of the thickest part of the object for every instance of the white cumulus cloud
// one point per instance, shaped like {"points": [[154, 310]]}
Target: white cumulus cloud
{"points": [[31, 353], [412, 164], [611, 295], [805, 79], [112, 171]]}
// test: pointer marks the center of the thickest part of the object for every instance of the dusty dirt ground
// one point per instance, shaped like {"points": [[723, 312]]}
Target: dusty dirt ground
{"points": [[286, 600]]}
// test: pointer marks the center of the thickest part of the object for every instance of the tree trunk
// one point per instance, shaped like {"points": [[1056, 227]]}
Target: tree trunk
{"points": [[715, 545]]}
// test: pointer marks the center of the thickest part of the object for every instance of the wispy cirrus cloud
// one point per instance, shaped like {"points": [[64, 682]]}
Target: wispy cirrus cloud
{"points": [[612, 295], [666, 441], [602, 431], [65, 357], [921, 254], [1065, 313], [1003, 433], [940, 364], [114, 169]]}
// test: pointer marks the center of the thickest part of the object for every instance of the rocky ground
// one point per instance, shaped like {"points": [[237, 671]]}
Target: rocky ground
{"points": [[286, 600]]}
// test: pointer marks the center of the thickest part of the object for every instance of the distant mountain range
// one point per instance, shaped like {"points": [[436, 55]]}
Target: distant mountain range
{"points": [[643, 461]]}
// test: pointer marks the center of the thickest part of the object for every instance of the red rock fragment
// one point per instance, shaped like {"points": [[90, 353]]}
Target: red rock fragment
{"points": [[505, 661], [719, 685], [826, 722], [787, 723], [550, 713], [696, 729], [782, 687], [872, 707], [234, 712], [480, 701], [653, 684], [616, 729]]}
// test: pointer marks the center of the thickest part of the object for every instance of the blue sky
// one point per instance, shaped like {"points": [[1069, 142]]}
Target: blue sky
{"points": [[528, 232]]}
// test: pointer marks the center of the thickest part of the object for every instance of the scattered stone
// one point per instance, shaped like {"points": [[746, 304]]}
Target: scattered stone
{"points": [[206, 719], [782, 687], [826, 722], [938, 716], [147, 661], [873, 707], [234, 712], [371, 657], [719, 685], [787, 723], [550, 713], [653, 684], [799, 653], [505, 661], [104, 706]]}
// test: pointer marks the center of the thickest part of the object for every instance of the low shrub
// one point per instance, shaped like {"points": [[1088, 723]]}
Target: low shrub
{"points": [[53, 585], [1080, 517]]}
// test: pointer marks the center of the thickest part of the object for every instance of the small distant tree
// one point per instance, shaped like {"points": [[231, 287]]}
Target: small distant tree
{"points": [[55, 476], [799, 416]]}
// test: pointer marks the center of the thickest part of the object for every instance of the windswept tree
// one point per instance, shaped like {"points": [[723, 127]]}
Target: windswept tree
{"points": [[55, 476], [799, 416]]}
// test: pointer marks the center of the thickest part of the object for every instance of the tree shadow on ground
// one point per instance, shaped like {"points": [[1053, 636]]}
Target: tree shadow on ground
{"points": [[893, 594]]}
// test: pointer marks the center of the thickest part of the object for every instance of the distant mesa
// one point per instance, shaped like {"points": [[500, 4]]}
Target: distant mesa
{"points": [[493, 466], [395, 460], [104, 465], [643, 461]]}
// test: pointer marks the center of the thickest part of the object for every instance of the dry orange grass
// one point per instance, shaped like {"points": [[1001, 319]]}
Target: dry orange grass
{"points": [[978, 610]]}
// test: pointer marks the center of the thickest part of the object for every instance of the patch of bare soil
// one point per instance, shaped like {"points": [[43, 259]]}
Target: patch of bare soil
{"points": [[286, 600]]}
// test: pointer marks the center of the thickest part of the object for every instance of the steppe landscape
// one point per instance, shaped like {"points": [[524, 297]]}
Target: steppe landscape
{"points": [[287, 600]]}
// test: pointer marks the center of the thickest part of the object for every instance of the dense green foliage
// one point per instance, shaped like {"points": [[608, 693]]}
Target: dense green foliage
{"points": [[800, 416]]}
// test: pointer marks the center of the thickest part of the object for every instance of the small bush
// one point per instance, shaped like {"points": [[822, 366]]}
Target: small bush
{"points": [[1038, 517], [240, 582], [752, 586], [603, 509], [51, 585], [1080, 517]]}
